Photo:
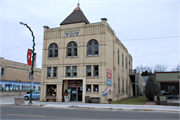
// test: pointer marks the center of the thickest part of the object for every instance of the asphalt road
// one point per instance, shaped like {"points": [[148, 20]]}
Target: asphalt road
{"points": [[32, 112]]}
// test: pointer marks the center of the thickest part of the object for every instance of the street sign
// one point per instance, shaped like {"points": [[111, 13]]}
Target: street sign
{"points": [[32, 78]]}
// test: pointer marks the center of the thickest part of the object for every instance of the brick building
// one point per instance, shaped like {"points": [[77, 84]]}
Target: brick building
{"points": [[84, 58], [15, 76]]}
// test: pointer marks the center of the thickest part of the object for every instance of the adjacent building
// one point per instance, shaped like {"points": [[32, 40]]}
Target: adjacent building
{"points": [[84, 59], [15, 76], [169, 81]]}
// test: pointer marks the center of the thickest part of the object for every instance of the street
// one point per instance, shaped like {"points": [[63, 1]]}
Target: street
{"points": [[32, 112]]}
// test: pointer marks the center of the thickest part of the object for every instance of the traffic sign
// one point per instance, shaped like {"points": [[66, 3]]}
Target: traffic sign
{"points": [[32, 78]]}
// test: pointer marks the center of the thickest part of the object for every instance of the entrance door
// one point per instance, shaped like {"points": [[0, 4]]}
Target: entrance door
{"points": [[79, 93], [75, 93]]}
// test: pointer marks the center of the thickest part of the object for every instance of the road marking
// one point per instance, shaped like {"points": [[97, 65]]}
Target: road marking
{"points": [[26, 115]]}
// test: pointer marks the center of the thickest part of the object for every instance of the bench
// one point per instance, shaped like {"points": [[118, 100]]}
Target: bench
{"points": [[95, 99], [50, 98]]}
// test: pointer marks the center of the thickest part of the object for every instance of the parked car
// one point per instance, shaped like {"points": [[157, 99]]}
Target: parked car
{"points": [[35, 95]]}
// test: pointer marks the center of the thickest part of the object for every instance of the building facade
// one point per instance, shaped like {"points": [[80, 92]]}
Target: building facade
{"points": [[15, 76], [169, 81], [84, 59]]}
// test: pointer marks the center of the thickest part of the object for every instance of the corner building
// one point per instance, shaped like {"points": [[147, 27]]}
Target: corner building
{"points": [[77, 57]]}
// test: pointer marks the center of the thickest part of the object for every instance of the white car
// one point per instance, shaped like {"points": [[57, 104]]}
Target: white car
{"points": [[35, 95]]}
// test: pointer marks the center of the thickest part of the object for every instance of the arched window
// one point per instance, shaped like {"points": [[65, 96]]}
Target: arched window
{"points": [[72, 49], [92, 47], [53, 50]]}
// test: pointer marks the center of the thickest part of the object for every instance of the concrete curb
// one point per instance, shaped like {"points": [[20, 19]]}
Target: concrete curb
{"points": [[123, 108], [113, 108]]}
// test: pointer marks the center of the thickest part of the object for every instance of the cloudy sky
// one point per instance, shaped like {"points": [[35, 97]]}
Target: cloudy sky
{"points": [[149, 29]]}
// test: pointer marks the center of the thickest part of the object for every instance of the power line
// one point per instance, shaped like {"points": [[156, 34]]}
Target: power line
{"points": [[151, 38], [105, 41], [155, 53]]}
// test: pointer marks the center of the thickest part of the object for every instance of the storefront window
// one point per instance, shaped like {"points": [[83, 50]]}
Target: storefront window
{"points": [[51, 90], [95, 88], [88, 88]]}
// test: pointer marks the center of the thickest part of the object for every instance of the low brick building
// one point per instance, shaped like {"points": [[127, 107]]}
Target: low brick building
{"points": [[15, 75]]}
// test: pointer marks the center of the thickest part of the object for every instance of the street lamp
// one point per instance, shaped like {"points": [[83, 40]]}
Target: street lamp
{"points": [[32, 62]]}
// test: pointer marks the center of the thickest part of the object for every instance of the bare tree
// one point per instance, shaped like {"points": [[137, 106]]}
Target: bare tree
{"points": [[177, 68], [160, 68], [141, 68]]}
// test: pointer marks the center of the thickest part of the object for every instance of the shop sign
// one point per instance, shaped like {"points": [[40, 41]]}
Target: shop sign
{"points": [[74, 82], [109, 82], [109, 73], [105, 92]]}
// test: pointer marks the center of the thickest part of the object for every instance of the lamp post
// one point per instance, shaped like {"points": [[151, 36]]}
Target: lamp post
{"points": [[32, 62]]}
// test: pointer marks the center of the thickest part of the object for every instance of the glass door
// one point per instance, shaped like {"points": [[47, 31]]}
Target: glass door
{"points": [[79, 93]]}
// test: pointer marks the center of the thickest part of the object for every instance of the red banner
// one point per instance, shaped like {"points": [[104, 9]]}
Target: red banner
{"points": [[29, 53], [109, 73]]}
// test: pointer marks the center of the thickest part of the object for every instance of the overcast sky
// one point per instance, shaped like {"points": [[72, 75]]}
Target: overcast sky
{"points": [[149, 29]]}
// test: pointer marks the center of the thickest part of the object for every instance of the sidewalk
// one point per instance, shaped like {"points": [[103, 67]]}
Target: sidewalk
{"points": [[146, 107]]}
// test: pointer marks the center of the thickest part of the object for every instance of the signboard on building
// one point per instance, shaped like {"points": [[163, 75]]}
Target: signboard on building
{"points": [[109, 73], [29, 53], [109, 82], [75, 83]]}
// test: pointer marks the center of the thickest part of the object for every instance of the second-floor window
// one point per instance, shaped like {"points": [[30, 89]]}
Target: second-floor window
{"points": [[72, 49], [54, 71], [71, 71], [74, 71], [88, 70], [96, 70], [122, 60], [53, 50], [48, 72], [118, 57]]}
